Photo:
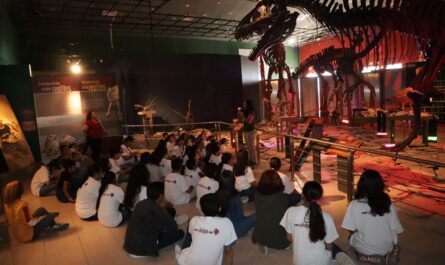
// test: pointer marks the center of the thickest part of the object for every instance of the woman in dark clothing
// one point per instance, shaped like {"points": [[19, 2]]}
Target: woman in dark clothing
{"points": [[151, 226], [232, 206], [270, 204], [94, 132]]}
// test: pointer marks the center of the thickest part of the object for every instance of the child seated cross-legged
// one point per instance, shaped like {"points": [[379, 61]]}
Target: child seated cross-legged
{"points": [[208, 183], [88, 193], [151, 226], [209, 239], [136, 190], [232, 206], [177, 187], [245, 179], [109, 207], [44, 181], [23, 226], [312, 231], [372, 221], [289, 187]]}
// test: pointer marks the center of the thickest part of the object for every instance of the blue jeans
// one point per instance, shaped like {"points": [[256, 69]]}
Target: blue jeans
{"points": [[244, 226]]}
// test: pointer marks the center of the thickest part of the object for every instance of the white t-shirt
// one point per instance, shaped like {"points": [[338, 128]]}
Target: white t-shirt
{"points": [[39, 179], [155, 172], [192, 176], [115, 166], [108, 212], [205, 186], [227, 167], [223, 148], [86, 198], [215, 159], [166, 167], [177, 151], [141, 196], [126, 151], [305, 252], [375, 234], [289, 186], [170, 147], [243, 182], [209, 237], [176, 186]]}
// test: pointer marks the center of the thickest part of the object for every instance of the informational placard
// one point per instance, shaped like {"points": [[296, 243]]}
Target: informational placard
{"points": [[62, 103], [13, 143]]}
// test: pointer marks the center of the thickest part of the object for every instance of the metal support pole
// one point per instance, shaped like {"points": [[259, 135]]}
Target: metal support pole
{"points": [[258, 154], [350, 172], [292, 159], [316, 162]]}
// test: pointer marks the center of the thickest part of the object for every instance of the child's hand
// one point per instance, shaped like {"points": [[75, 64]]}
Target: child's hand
{"points": [[72, 200]]}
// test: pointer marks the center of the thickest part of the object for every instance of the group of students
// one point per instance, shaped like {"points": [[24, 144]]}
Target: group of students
{"points": [[179, 170]]}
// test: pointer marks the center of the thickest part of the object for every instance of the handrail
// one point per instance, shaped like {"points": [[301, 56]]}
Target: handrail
{"points": [[168, 124]]}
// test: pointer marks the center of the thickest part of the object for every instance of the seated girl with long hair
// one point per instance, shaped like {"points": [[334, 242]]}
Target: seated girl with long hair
{"points": [[110, 211], [137, 186]]}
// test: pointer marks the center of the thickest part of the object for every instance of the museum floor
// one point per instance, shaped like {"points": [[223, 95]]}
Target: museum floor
{"points": [[421, 243]]}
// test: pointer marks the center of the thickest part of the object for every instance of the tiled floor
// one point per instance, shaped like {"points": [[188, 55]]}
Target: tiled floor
{"points": [[90, 243]]}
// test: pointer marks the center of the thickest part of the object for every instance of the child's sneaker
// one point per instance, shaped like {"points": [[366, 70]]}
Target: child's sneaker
{"points": [[343, 259], [263, 249], [59, 227], [393, 257]]}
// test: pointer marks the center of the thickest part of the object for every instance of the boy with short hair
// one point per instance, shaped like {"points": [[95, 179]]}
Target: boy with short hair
{"points": [[212, 237], [177, 188]]}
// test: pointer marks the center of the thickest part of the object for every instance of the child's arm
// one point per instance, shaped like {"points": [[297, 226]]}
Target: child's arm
{"points": [[66, 185], [228, 255], [189, 190], [289, 237], [328, 246]]}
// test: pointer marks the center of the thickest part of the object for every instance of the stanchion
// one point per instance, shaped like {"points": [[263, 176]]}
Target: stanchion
{"points": [[350, 183], [258, 154], [316, 163], [292, 159]]}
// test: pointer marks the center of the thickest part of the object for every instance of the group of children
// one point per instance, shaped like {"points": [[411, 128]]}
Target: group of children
{"points": [[185, 168]]}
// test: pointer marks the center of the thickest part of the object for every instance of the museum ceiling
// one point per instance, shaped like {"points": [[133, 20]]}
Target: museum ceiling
{"points": [[207, 19]]}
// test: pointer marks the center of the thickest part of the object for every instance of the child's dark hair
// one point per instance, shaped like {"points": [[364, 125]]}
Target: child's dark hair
{"points": [[191, 163], [129, 139], [210, 170], [372, 187], [114, 151], [108, 178], [155, 189], [226, 190], [94, 169], [139, 176], [161, 144], [54, 165], [225, 158], [223, 141], [104, 164], [157, 156], [210, 205], [176, 164], [145, 158], [241, 163], [275, 163], [68, 163], [312, 192]]}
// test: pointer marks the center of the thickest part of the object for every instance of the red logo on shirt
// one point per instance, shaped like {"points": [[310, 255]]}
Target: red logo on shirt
{"points": [[170, 181], [204, 187], [206, 231]]}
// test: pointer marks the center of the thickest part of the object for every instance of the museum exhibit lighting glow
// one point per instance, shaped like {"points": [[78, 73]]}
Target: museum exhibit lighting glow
{"points": [[74, 103], [76, 68], [345, 121], [433, 138], [382, 133], [389, 146]]}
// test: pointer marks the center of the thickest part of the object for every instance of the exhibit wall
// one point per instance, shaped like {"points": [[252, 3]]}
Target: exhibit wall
{"points": [[212, 82], [62, 102]]}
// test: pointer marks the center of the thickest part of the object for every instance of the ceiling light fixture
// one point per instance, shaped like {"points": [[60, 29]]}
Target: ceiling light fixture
{"points": [[187, 5], [76, 68]]}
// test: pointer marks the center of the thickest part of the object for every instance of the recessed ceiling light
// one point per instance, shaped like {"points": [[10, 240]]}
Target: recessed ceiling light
{"points": [[218, 3], [204, 15], [187, 5]]}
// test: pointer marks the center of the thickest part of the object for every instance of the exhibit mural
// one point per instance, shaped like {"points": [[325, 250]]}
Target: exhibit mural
{"points": [[62, 102], [13, 144]]}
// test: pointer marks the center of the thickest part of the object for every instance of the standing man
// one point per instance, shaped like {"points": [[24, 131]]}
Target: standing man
{"points": [[250, 131]]}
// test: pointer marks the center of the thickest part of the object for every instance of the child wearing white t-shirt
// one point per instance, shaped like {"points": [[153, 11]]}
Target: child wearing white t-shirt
{"points": [[372, 220], [117, 165], [128, 156], [208, 183], [289, 188], [227, 163], [44, 181], [312, 230], [209, 238], [110, 212], [171, 138], [177, 188], [245, 179], [223, 145], [215, 154], [192, 172], [88, 193], [136, 190]]}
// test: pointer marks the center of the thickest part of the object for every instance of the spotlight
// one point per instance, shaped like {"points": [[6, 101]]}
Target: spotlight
{"points": [[76, 68], [345, 121], [389, 146], [382, 134]]}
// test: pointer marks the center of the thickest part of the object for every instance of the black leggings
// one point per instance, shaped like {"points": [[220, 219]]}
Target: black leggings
{"points": [[44, 224], [95, 145]]}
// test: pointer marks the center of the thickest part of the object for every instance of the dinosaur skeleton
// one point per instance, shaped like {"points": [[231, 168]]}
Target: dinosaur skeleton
{"points": [[398, 22]]}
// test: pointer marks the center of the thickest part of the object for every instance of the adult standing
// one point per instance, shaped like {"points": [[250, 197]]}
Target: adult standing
{"points": [[250, 131], [93, 129]]}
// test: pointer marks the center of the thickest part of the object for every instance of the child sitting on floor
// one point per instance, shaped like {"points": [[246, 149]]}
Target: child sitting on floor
{"points": [[109, 207], [44, 181], [88, 193], [245, 180], [66, 190], [137, 186], [289, 187], [372, 221], [209, 237], [177, 187], [208, 183], [151, 227]]}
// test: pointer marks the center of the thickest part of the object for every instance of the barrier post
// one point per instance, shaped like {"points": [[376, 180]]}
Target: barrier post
{"points": [[292, 159], [350, 173], [316, 163], [258, 154]]}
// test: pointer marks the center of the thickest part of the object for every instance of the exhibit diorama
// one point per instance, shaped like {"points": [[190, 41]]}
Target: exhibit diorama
{"points": [[336, 107]]}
